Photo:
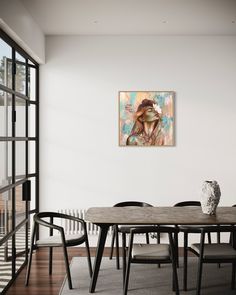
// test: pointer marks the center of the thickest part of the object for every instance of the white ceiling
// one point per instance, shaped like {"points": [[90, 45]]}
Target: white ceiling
{"points": [[134, 17]]}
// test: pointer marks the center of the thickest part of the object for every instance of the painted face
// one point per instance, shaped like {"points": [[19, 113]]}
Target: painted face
{"points": [[149, 115]]}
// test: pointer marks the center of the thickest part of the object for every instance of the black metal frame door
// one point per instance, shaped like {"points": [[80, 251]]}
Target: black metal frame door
{"points": [[19, 155]]}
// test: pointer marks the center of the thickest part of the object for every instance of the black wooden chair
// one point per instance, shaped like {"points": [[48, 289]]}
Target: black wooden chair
{"points": [[187, 229], [152, 253], [60, 240], [230, 239], [215, 252], [125, 228]]}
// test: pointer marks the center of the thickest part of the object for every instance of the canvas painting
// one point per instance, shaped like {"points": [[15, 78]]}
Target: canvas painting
{"points": [[146, 118]]}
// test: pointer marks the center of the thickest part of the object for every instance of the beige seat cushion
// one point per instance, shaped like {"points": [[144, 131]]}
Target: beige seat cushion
{"points": [[151, 251], [216, 251], [56, 240]]}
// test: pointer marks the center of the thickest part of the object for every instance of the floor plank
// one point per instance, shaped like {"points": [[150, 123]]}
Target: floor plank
{"points": [[40, 282]]}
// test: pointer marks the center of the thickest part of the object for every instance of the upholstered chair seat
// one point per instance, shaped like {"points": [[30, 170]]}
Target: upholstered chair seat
{"points": [[216, 251], [56, 241], [151, 251]]}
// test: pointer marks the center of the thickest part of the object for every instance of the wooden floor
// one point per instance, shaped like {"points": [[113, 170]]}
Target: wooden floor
{"points": [[40, 282]]}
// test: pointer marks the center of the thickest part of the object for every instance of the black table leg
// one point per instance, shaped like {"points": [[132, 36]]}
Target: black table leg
{"points": [[100, 247]]}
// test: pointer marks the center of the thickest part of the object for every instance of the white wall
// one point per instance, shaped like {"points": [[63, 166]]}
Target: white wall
{"points": [[20, 26], [81, 163]]}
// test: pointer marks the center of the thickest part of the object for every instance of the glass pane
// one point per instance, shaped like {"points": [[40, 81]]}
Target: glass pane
{"points": [[20, 205], [20, 247], [20, 160], [31, 63], [33, 194], [31, 83], [5, 114], [5, 264], [5, 64], [21, 240], [20, 117], [20, 74], [20, 58], [32, 117], [5, 163], [32, 148], [5, 213]]}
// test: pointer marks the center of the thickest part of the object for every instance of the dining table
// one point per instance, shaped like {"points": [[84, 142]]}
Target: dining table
{"points": [[105, 217]]}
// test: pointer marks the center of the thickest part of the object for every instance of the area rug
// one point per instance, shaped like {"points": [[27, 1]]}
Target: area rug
{"points": [[147, 279]]}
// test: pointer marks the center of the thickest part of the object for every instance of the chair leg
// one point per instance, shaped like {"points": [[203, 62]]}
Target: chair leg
{"points": [[50, 259], [199, 277], [67, 267], [124, 255], [158, 238], [158, 242], [30, 256], [176, 241], [218, 242], [185, 260], [88, 257], [233, 275], [112, 243], [209, 238], [117, 248]]}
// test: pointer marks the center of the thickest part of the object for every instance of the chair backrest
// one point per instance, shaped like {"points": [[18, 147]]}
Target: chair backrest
{"points": [[220, 229], [39, 219], [188, 203], [154, 229], [132, 203], [48, 215], [41, 215]]}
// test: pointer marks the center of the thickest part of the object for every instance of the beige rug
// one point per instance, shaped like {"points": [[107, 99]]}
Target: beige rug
{"points": [[147, 279]]}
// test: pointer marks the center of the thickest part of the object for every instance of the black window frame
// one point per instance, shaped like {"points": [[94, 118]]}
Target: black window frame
{"points": [[15, 181]]}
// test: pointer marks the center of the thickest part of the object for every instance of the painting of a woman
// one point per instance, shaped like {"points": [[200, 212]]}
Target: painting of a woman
{"points": [[146, 118], [147, 126]]}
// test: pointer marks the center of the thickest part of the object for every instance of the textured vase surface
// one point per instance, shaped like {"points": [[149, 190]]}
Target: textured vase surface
{"points": [[210, 197]]}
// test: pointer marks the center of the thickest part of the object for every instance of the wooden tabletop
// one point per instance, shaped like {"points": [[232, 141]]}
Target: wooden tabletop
{"points": [[159, 215]]}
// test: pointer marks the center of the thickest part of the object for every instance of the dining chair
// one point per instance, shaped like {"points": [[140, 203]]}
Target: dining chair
{"points": [[215, 252], [60, 240], [218, 234], [230, 238], [116, 229], [186, 230], [152, 253]]}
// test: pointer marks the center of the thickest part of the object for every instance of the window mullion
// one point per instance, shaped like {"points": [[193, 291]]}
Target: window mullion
{"points": [[13, 160]]}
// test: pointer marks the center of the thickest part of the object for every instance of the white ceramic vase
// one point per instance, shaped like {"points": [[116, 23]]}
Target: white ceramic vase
{"points": [[210, 196]]}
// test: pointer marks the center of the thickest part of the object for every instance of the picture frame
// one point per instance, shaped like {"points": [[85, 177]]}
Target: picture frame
{"points": [[146, 118]]}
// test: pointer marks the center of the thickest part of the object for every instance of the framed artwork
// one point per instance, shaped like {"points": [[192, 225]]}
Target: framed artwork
{"points": [[146, 118]]}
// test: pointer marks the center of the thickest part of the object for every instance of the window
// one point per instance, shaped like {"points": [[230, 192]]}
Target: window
{"points": [[19, 154]]}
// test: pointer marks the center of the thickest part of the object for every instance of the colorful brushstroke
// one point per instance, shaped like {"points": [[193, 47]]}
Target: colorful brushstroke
{"points": [[146, 118]]}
